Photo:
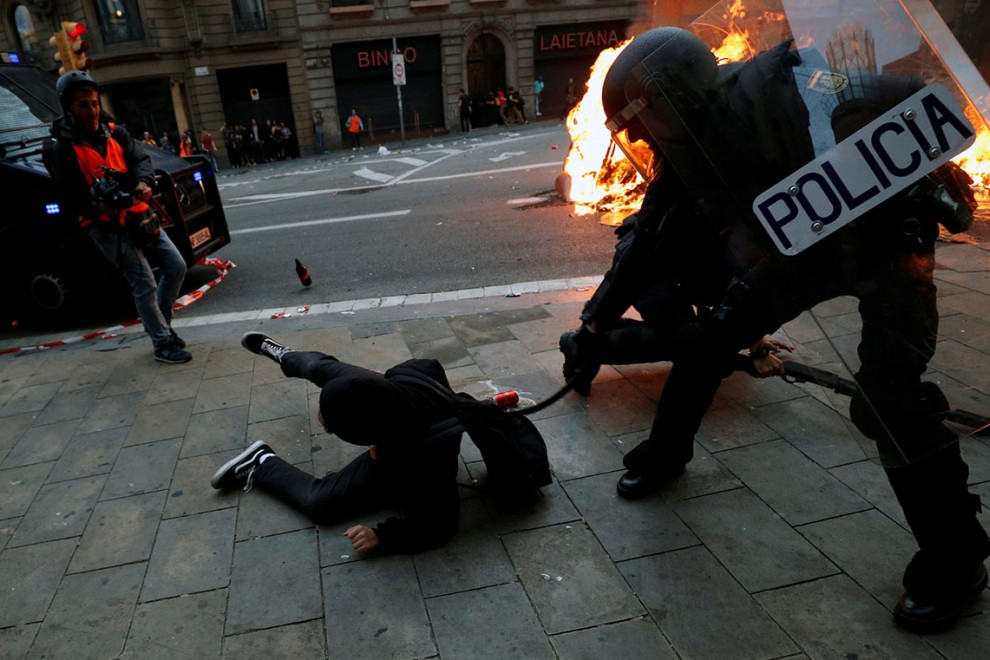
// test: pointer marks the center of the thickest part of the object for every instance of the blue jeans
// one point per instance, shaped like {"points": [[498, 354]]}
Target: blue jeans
{"points": [[153, 300]]}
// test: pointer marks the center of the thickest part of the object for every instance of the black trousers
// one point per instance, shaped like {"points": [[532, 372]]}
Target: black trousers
{"points": [[897, 305], [359, 487]]}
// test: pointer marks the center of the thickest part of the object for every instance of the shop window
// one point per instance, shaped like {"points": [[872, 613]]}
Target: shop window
{"points": [[249, 15], [120, 20], [24, 26]]}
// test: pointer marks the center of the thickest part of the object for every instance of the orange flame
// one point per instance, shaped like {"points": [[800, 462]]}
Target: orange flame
{"points": [[602, 180], [976, 162]]}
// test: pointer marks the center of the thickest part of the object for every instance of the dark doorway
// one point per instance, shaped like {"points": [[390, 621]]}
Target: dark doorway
{"points": [[143, 105], [256, 92], [486, 73]]}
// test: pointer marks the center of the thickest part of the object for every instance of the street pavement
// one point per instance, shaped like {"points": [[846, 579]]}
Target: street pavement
{"points": [[782, 539]]}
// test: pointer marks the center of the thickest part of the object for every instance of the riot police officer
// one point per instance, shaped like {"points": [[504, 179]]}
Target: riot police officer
{"points": [[721, 135]]}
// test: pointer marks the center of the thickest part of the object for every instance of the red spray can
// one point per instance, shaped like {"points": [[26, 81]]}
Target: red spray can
{"points": [[506, 399]]}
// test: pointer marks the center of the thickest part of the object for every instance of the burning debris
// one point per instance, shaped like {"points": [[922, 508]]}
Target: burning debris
{"points": [[597, 177]]}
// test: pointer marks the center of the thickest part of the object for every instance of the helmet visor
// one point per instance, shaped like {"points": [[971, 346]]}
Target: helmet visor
{"points": [[631, 139]]}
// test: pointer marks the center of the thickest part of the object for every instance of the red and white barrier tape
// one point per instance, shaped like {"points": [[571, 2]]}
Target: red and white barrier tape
{"points": [[223, 266]]}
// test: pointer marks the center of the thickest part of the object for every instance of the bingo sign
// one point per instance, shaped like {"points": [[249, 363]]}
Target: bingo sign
{"points": [[398, 69]]}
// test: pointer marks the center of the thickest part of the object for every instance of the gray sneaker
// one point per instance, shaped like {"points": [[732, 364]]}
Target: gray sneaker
{"points": [[239, 470], [170, 353], [261, 344]]}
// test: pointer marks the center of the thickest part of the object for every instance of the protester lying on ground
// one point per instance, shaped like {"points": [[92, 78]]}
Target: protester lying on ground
{"points": [[409, 465]]}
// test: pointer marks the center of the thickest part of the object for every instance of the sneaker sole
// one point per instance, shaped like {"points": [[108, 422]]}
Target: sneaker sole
{"points": [[171, 361], [229, 465], [244, 341]]}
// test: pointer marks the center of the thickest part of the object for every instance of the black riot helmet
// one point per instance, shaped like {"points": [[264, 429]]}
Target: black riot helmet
{"points": [[644, 88], [69, 82]]}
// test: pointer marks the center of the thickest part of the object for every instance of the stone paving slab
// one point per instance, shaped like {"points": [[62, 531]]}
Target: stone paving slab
{"points": [[782, 539]]}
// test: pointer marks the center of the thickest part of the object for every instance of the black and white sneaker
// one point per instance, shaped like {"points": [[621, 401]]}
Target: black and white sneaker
{"points": [[239, 471], [261, 344]]}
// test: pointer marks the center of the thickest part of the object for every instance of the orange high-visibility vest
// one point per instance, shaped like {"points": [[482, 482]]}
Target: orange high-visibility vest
{"points": [[354, 124], [91, 163]]}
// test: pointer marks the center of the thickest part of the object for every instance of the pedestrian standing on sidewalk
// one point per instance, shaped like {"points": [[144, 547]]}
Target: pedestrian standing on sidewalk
{"points": [[206, 140], [410, 463], [355, 126], [538, 95], [320, 132], [86, 145], [464, 111]]}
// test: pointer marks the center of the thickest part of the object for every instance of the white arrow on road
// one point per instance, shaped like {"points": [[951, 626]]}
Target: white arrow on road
{"points": [[506, 155], [373, 175]]}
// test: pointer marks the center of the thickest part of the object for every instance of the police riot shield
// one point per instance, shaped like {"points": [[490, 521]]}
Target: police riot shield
{"points": [[820, 136]]}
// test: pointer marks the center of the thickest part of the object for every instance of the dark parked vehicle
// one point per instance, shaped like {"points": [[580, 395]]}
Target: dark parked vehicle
{"points": [[48, 267]]}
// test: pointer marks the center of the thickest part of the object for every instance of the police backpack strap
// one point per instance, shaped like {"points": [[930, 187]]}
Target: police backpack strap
{"points": [[511, 446]]}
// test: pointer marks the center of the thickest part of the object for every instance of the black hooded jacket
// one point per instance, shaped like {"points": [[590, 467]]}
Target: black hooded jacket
{"points": [[418, 468]]}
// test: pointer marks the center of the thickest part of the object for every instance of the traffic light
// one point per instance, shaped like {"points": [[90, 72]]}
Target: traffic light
{"points": [[70, 47]]}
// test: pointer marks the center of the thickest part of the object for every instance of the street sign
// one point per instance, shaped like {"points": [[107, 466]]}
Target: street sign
{"points": [[398, 69]]}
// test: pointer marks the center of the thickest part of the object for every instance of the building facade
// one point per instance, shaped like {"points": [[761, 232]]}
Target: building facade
{"points": [[177, 65]]}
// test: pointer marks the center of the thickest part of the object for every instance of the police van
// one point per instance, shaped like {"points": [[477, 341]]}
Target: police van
{"points": [[49, 268]]}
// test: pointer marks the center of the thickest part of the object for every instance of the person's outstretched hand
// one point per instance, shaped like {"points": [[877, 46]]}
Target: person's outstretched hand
{"points": [[363, 539], [765, 359]]}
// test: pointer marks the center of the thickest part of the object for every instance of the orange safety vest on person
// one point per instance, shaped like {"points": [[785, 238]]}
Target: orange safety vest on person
{"points": [[354, 124], [90, 162]]}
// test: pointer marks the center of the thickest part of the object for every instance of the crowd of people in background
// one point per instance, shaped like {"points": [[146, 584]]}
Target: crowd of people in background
{"points": [[509, 106], [259, 143], [272, 140]]}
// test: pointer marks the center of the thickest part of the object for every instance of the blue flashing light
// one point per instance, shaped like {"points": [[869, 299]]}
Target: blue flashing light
{"points": [[14, 58], [52, 209], [197, 176]]}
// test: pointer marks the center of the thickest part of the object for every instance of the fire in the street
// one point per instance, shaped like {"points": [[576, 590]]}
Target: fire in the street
{"points": [[601, 179], [976, 162]]}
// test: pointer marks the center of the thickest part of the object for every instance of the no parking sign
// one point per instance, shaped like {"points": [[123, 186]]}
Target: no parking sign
{"points": [[398, 69]]}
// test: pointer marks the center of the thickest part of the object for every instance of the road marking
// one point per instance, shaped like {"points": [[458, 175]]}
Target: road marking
{"points": [[325, 221], [251, 200], [415, 162], [373, 175], [506, 155], [522, 201], [581, 286], [500, 170]]}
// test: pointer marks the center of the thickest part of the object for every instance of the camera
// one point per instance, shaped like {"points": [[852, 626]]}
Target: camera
{"points": [[108, 191]]}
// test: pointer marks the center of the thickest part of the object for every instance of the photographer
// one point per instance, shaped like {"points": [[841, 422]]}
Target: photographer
{"points": [[105, 180]]}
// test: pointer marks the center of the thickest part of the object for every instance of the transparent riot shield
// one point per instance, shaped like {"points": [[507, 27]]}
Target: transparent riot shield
{"points": [[822, 144]]}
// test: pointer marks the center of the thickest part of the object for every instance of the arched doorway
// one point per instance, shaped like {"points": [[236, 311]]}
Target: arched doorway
{"points": [[485, 74]]}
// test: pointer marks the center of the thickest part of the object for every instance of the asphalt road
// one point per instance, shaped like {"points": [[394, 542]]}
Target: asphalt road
{"points": [[453, 213], [450, 213]]}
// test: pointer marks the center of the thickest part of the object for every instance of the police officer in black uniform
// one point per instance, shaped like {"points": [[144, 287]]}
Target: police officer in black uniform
{"points": [[704, 124]]}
